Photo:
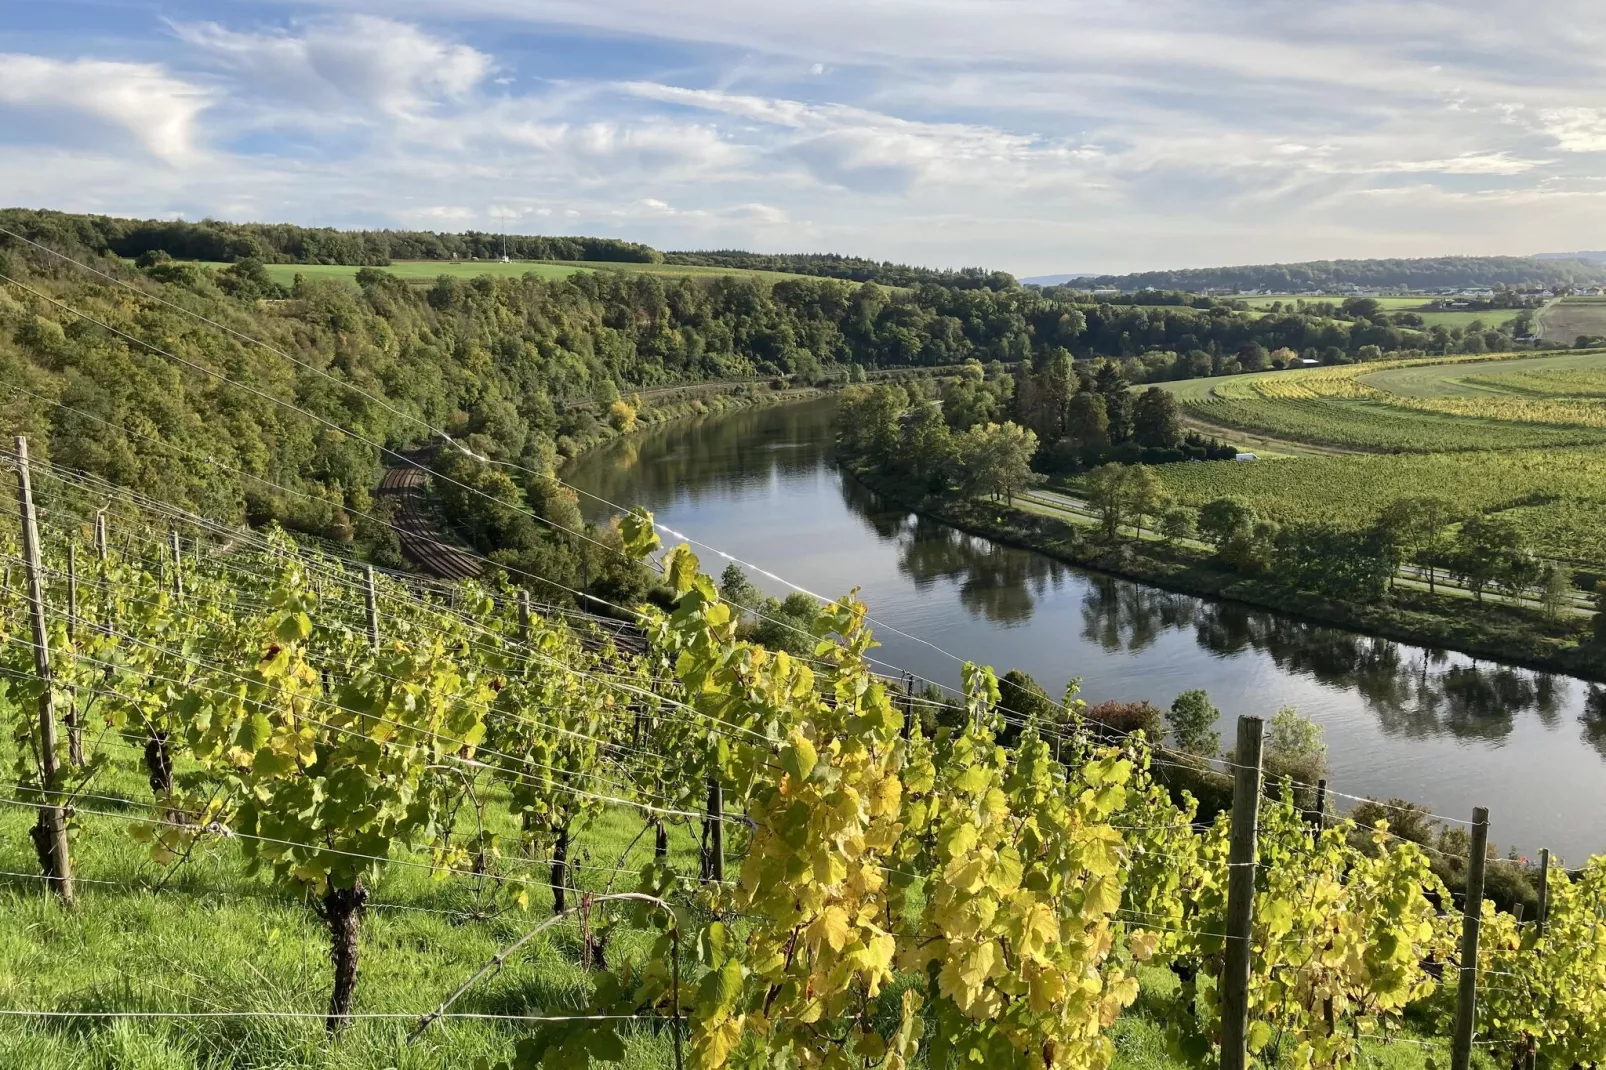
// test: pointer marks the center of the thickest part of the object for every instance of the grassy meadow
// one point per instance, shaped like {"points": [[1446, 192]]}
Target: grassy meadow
{"points": [[427, 271]]}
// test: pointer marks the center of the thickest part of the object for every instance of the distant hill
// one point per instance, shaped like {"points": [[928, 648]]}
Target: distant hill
{"points": [[1336, 275], [1059, 280], [1597, 254]]}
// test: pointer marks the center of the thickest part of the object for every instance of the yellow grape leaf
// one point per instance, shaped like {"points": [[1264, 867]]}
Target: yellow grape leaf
{"points": [[830, 927]]}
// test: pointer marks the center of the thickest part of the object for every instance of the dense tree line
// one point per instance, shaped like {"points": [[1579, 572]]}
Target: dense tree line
{"points": [[1425, 273], [286, 243], [854, 268], [993, 431]]}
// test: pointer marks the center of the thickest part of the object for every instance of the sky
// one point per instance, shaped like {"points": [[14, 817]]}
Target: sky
{"points": [[1035, 136]]}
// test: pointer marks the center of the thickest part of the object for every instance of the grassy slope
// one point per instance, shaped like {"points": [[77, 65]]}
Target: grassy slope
{"points": [[214, 940], [429, 270]]}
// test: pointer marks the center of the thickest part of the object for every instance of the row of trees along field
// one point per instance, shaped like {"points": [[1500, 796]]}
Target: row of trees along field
{"points": [[995, 893]]}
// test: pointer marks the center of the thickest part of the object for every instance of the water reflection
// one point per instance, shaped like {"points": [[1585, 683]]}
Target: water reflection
{"points": [[1414, 693], [708, 457]]}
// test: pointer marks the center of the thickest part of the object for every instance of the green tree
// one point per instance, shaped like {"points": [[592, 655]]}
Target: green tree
{"points": [[996, 460], [737, 589], [1488, 550], [1420, 527], [1145, 494], [1554, 585], [1087, 421], [1177, 523], [1156, 419], [1294, 748], [1105, 487], [1193, 719], [1223, 520]]}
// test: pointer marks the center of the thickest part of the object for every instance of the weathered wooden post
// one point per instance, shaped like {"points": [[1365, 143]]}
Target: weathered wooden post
{"points": [[1241, 860], [1466, 999], [50, 833]]}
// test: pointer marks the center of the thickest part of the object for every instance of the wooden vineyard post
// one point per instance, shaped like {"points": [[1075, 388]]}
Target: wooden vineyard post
{"points": [[1241, 859], [1541, 908], [908, 704], [1466, 999], [371, 594], [524, 615], [1319, 815], [50, 834], [75, 732], [716, 830], [105, 579], [178, 564]]}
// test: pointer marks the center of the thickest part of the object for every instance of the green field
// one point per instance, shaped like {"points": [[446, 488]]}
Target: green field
{"points": [[1558, 496], [425, 271], [1490, 318]]}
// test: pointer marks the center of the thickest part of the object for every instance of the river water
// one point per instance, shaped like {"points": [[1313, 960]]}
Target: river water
{"points": [[1437, 728]]}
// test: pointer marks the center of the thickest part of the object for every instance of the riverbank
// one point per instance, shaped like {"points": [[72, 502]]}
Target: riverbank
{"points": [[1489, 630]]}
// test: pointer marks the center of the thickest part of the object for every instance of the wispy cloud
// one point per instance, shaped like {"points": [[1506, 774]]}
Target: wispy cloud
{"points": [[134, 102], [1029, 134]]}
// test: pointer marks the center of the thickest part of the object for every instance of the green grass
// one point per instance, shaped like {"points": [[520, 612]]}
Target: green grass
{"points": [[426, 271], [215, 940], [1447, 380], [1377, 426], [1422, 406]]}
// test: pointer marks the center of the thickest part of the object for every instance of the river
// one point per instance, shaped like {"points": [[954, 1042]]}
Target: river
{"points": [[1437, 728]]}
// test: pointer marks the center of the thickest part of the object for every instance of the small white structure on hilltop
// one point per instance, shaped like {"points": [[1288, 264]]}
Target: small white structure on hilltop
{"points": [[1245, 457]]}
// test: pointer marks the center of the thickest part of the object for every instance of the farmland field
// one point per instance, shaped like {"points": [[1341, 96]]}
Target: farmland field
{"points": [[1437, 404], [1490, 318], [427, 271], [1570, 317]]}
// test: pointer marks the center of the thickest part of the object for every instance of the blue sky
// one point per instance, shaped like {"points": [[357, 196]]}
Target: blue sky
{"points": [[1033, 135]]}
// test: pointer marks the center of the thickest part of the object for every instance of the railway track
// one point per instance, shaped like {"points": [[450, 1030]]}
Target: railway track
{"points": [[422, 542]]}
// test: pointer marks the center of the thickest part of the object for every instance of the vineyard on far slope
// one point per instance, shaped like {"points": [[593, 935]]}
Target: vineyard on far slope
{"points": [[870, 890], [1556, 496], [1352, 406]]}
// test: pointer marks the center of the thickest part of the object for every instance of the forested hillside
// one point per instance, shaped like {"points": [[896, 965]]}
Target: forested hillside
{"points": [[1328, 275], [501, 363]]}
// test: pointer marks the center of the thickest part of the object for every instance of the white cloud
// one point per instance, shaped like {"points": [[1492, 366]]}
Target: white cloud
{"points": [[1468, 163], [389, 66], [1577, 129], [139, 101], [1027, 134]]}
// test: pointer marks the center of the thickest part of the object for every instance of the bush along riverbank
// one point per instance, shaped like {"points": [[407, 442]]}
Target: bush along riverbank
{"points": [[1502, 631]]}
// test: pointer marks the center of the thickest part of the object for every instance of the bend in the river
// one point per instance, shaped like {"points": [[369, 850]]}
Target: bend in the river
{"points": [[1401, 721]]}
